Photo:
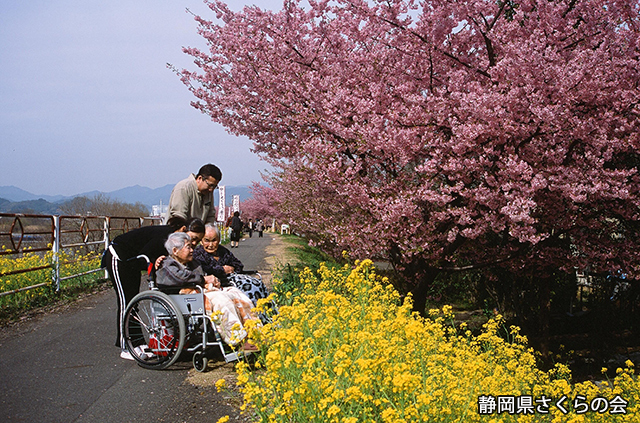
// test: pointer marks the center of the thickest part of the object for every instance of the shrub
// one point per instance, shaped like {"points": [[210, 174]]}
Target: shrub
{"points": [[71, 263], [348, 349]]}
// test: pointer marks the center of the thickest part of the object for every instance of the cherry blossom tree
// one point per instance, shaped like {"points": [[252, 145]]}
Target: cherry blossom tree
{"points": [[442, 135], [262, 204]]}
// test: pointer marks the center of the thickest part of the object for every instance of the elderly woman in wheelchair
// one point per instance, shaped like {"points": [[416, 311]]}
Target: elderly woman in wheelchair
{"points": [[229, 307], [219, 261], [179, 310]]}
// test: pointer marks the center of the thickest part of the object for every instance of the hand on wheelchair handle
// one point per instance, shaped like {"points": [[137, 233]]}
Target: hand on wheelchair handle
{"points": [[159, 261]]}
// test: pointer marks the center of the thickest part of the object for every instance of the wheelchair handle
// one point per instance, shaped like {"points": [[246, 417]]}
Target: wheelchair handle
{"points": [[146, 259]]}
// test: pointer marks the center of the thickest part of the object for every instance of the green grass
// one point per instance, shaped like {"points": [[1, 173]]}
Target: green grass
{"points": [[300, 255]]}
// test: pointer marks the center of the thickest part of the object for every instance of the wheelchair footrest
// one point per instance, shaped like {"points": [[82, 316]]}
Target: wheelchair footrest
{"points": [[234, 356]]}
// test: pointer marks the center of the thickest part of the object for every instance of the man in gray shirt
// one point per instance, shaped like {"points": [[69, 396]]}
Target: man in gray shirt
{"points": [[193, 197]]}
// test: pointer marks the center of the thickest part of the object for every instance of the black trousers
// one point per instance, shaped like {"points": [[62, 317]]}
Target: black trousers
{"points": [[125, 278]]}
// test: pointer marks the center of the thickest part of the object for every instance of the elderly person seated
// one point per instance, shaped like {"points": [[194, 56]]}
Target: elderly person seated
{"points": [[229, 307], [219, 261]]}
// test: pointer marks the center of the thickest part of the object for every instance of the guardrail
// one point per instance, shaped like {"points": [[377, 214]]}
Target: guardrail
{"points": [[32, 233]]}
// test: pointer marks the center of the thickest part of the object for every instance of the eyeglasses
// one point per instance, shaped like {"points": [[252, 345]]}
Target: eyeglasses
{"points": [[211, 185]]}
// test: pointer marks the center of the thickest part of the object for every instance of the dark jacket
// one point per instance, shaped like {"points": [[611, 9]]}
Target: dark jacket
{"points": [[211, 266], [236, 224], [148, 240]]}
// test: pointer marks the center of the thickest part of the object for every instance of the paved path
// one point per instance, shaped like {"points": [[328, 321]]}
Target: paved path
{"points": [[63, 367]]}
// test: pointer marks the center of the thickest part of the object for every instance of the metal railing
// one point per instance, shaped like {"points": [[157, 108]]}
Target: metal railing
{"points": [[32, 233]]}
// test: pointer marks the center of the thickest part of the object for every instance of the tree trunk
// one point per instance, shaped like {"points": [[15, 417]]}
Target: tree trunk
{"points": [[425, 282], [545, 317]]}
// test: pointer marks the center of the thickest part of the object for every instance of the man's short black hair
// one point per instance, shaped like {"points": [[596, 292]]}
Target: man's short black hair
{"points": [[210, 170]]}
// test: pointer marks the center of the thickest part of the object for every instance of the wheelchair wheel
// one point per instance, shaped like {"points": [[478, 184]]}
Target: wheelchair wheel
{"points": [[154, 330], [200, 361]]}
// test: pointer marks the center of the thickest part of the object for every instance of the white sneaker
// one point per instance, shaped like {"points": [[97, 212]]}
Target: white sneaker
{"points": [[126, 355]]}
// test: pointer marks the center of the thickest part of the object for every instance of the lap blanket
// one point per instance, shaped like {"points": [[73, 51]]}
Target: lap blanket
{"points": [[250, 285]]}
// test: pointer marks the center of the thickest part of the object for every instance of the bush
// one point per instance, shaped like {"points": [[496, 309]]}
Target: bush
{"points": [[348, 349], [71, 263], [289, 283]]}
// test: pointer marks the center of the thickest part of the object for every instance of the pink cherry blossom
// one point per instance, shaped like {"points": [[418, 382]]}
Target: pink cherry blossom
{"points": [[440, 134]]}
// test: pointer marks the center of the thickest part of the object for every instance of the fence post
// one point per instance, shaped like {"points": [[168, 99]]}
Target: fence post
{"points": [[107, 239], [55, 248]]}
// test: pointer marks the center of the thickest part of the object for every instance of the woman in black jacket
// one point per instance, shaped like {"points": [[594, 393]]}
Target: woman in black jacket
{"points": [[236, 229], [124, 269]]}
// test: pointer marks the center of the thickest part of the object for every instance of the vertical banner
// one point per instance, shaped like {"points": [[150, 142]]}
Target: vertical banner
{"points": [[221, 205], [236, 203]]}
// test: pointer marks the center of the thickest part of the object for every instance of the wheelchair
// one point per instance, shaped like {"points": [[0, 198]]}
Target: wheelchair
{"points": [[160, 324]]}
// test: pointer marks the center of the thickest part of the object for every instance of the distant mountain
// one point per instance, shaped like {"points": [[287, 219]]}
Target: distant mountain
{"points": [[137, 194], [16, 200], [16, 194], [39, 206], [150, 197]]}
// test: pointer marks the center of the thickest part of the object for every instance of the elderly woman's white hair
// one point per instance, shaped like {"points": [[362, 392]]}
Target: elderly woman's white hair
{"points": [[214, 228], [176, 240]]}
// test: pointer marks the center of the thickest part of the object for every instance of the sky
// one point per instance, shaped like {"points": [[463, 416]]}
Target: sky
{"points": [[87, 101]]}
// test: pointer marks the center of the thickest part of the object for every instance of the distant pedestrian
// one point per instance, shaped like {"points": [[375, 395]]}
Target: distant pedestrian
{"points": [[193, 197], [236, 229], [250, 225], [259, 227]]}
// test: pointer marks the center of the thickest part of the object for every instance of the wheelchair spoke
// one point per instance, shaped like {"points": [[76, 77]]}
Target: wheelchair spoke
{"points": [[154, 331], [142, 322]]}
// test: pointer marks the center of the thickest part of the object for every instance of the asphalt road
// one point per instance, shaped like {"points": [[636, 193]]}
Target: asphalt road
{"points": [[64, 367]]}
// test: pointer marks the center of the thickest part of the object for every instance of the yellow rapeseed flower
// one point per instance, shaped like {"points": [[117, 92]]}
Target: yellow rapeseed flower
{"points": [[221, 384], [349, 350]]}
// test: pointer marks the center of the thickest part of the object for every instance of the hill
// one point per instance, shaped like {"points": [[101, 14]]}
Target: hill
{"points": [[16, 200], [39, 206], [150, 197], [16, 194]]}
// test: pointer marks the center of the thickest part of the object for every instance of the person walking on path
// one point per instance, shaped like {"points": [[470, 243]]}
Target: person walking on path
{"points": [[236, 229], [250, 226], [259, 227], [193, 197]]}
